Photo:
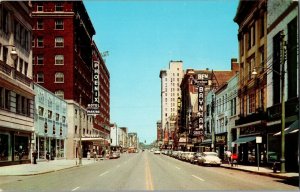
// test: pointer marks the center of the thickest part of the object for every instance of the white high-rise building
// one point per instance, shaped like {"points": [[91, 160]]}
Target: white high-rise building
{"points": [[170, 91]]}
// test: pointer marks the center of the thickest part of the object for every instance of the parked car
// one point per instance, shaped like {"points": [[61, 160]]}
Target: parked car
{"points": [[157, 152], [114, 155], [189, 156], [209, 158], [194, 159]]}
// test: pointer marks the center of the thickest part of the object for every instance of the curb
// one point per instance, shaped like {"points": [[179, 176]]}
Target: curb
{"points": [[259, 173], [42, 172]]}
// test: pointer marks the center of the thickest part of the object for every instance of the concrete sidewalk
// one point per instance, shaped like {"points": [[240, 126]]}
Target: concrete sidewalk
{"points": [[42, 167], [263, 171]]}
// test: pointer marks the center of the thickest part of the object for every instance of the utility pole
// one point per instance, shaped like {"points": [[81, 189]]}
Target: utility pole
{"points": [[213, 123], [282, 54]]}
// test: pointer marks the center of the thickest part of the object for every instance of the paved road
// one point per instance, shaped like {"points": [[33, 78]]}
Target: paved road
{"points": [[143, 171]]}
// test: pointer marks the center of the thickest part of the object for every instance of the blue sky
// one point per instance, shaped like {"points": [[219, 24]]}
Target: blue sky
{"points": [[142, 36]]}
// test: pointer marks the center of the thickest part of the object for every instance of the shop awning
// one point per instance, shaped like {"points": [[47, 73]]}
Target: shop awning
{"points": [[293, 128], [206, 142], [245, 139]]}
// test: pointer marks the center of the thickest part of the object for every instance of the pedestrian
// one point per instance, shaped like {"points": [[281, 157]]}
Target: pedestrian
{"points": [[34, 155], [95, 156], [88, 155], [228, 156], [48, 156]]}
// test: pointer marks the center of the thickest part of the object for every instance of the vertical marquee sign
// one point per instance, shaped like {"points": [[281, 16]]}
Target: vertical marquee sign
{"points": [[201, 82], [93, 108]]}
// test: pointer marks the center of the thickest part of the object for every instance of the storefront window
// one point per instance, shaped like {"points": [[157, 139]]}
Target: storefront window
{"points": [[42, 148], [21, 147], [4, 147]]}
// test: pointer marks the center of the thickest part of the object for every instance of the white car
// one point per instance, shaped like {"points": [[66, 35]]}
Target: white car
{"points": [[157, 152], [209, 158]]}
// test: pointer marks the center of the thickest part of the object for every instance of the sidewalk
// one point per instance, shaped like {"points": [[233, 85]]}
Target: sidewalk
{"points": [[263, 171], [42, 167]]}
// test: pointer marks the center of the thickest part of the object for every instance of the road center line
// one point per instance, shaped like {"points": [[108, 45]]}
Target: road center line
{"points": [[198, 178], [177, 168], [103, 173], [75, 189]]}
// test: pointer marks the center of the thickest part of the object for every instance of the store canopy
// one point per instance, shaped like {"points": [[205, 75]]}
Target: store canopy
{"points": [[245, 139], [293, 128]]}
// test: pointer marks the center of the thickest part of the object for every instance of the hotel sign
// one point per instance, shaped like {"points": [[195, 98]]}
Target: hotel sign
{"points": [[93, 108]]}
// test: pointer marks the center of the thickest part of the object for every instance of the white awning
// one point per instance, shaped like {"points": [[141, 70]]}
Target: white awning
{"points": [[293, 128]]}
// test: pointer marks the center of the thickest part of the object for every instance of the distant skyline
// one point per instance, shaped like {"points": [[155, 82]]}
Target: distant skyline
{"points": [[142, 37]]}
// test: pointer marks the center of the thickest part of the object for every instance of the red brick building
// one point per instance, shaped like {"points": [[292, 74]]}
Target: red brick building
{"points": [[63, 63]]}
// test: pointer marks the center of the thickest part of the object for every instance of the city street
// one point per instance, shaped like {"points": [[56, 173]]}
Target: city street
{"points": [[143, 171]]}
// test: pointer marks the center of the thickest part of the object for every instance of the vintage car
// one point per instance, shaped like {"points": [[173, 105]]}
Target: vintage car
{"points": [[209, 158]]}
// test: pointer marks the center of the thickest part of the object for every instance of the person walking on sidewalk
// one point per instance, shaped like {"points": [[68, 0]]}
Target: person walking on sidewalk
{"points": [[34, 155], [48, 156]]}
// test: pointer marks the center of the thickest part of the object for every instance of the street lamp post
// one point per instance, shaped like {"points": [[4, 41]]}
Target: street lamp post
{"points": [[282, 75]]}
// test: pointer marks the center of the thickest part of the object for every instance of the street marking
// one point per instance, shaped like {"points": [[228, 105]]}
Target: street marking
{"points": [[198, 178], [75, 189], [149, 183], [177, 168], [104, 173]]}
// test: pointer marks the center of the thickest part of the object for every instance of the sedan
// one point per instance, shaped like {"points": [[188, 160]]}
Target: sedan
{"points": [[209, 158], [157, 152]]}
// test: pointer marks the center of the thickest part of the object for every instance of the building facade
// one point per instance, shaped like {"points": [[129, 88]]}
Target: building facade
{"points": [[16, 87], [251, 18], [170, 92], [62, 60], [50, 124], [282, 28], [195, 86], [123, 141]]}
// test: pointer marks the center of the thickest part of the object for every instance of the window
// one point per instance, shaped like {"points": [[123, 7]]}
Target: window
{"points": [[59, 41], [25, 68], [63, 119], [60, 94], [7, 100], [20, 65], [262, 58], [40, 77], [59, 6], [49, 114], [41, 111], [59, 59], [33, 42], [1, 97], [251, 66], [59, 24], [39, 7], [75, 129], [18, 104], [262, 26], [56, 117], [251, 103], [40, 59], [33, 60], [59, 77], [40, 42], [40, 24]]}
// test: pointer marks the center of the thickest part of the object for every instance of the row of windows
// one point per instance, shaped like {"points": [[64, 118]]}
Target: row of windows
{"points": [[15, 102], [58, 24], [50, 115], [59, 77], [39, 41], [58, 7], [19, 64], [39, 59]]}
